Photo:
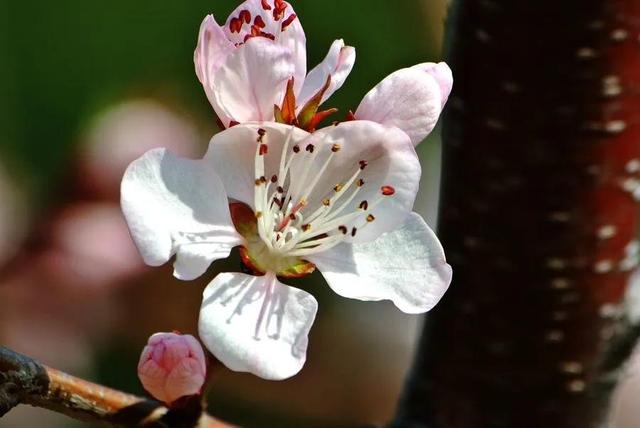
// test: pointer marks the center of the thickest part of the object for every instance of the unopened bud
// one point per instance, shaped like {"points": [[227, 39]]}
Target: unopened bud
{"points": [[172, 366]]}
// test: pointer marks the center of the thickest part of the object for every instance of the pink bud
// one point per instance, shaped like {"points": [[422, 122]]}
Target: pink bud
{"points": [[172, 366]]}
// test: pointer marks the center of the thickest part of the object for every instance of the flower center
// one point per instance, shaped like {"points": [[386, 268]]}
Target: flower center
{"points": [[297, 213]]}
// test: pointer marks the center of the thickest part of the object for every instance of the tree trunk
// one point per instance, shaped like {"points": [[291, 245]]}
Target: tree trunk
{"points": [[538, 216]]}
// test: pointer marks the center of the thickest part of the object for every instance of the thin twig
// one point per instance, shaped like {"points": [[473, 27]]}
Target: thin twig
{"points": [[25, 381]]}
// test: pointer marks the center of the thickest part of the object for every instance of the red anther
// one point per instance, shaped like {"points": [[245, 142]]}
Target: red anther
{"points": [[363, 164], [264, 149], [233, 123], [245, 16], [387, 190], [296, 149], [265, 5], [268, 35], [350, 116], [261, 132], [288, 21], [235, 25], [279, 8], [274, 178], [259, 22], [255, 31]]}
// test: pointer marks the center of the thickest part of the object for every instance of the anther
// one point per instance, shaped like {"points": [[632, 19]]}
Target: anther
{"points": [[264, 149], [360, 183], [364, 205], [296, 149], [292, 216], [258, 214], [274, 178], [338, 187], [326, 202], [263, 179], [343, 229], [363, 164], [370, 218], [387, 190], [280, 189], [288, 21], [335, 148], [310, 148], [306, 227], [354, 231], [258, 182], [265, 5], [259, 22]]}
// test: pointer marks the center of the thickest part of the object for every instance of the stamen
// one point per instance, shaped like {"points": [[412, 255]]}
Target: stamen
{"points": [[364, 205], [343, 229], [354, 230]]}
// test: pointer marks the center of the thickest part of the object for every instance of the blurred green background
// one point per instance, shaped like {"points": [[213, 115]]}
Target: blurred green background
{"points": [[64, 66]]}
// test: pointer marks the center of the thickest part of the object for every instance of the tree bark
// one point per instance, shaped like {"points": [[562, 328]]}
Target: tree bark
{"points": [[541, 148]]}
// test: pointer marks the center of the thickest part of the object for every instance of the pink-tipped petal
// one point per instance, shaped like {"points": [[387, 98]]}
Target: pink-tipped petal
{"points": [[257, 324], [251, 81], [409, 99], [172, 366], [275, 21], [406, 266], [443, 75], [211, 52], [338, 64]]}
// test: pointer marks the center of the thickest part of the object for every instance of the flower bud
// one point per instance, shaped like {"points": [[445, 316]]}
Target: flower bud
{"points": [[172, 366]]}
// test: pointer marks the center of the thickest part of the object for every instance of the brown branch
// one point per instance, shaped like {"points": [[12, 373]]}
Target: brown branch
{"points": [[25, 381]]}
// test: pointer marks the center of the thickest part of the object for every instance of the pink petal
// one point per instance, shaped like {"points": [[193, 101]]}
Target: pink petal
{"points": [[251, 81], [275, 20], [338, 64], [211, 52], [410, 99], [443, 75]]}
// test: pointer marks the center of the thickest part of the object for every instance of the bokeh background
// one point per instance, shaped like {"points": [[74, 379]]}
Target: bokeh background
{"points": [[85, 88]]}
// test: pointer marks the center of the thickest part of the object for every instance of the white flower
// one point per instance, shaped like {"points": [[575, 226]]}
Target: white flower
{"points": [[339, 199]]}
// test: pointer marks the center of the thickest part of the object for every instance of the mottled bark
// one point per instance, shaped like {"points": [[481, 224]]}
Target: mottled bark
{"points": [[538, 216]]}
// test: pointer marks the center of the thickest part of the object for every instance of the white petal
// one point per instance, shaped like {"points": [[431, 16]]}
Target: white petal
{"points": [[257, 324], [392, 161], [409, 99], [232, 153], [406, 266], [251, 81], [337, 64], [177, 206], [211, 52], [291, 37]]}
